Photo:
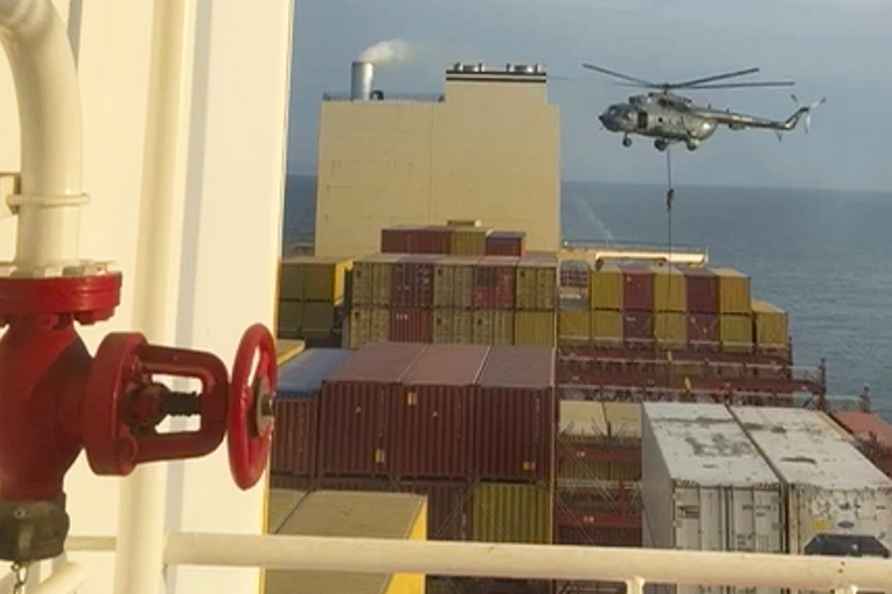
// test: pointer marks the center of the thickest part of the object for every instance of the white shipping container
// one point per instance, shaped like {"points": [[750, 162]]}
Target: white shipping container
{"points": [[705, 486], [831, 487]]}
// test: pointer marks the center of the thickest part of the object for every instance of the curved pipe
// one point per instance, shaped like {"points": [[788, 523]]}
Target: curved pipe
{"points": [[43, 68]]}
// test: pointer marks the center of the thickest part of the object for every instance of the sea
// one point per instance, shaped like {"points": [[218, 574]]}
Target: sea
{"points": [[823, 255]]}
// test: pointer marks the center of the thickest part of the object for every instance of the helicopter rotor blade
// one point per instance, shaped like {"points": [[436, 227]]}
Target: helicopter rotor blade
{"points": [[640, 81], [697, 81], [770, 83]]}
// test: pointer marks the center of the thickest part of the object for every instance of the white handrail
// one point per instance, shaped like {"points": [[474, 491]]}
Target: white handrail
{"points": [[363, 555], [64, 580]]}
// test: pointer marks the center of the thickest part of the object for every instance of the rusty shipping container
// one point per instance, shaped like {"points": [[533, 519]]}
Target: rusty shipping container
{"points": [[506, 243], [411, 325], [703, 329], [454, 282], [537, 282], [297, 410], [702, 290], [505, 512], [515, 414], [429, 434], [412, 280], [638, 288], [416, 240], [353, 424], [494, 283], [638, 326]]}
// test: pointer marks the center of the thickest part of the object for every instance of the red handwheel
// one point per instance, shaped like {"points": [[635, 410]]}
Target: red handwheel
{"points": [[251, 393]]}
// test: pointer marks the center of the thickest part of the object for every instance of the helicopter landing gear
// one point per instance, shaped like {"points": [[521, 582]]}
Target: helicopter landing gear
{"points": [[660, 144], [627, 142]]}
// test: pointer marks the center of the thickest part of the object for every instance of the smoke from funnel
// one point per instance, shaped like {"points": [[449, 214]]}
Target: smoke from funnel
{"points": [[383, 52]]}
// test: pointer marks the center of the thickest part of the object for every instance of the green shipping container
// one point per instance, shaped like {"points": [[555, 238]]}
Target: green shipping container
{"points": [[290, 318], [372, 279], [453, 326], [360, 326], [535, 328], [504, 512]]}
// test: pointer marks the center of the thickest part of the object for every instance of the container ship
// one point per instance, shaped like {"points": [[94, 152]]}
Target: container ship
{"points": [[455, 400], [541, 391]]}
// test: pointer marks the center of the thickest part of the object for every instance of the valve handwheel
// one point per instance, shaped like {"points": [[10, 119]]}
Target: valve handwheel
{"points": [[250, 405]]}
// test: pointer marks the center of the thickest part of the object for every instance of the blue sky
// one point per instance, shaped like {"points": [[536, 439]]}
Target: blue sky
{"points": [[836, 48]]}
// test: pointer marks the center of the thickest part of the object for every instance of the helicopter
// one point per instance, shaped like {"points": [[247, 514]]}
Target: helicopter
{"points": [[670, 118]]}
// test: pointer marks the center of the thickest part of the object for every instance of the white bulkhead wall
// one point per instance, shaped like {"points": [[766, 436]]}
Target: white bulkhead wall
{"points": [[224, 175]]}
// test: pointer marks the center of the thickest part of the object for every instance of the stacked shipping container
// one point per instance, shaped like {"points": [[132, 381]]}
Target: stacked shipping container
{"points": [[311, 299], [874, 436], [458, 239]]}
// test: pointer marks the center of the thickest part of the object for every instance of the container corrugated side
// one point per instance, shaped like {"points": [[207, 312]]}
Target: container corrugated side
{"points": [[607, 288], [493, 327], [537, 282], [832, 488], [607, 326], [638, 287], [624, 427], [454, 282], [734, 291], [412, 325], [575, 325], [506, 243], [671, 329], [702, 290], [444, 326], [309, 278], [503, 512], [703, 329], [670, 290], [494, 283], [468, 241], [581, 428], [736, 332], [772, 325], [705, 486], [318, 317], [290, 319], [638, 326], [866, 427], [537, 328], [429, 433], [413, 282], [514, 415], [295, 436]]}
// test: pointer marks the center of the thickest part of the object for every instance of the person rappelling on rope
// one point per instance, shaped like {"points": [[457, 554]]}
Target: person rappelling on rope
{"points": [[670, 195]]}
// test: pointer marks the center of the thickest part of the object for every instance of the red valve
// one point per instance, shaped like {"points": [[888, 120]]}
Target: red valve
{"points": [[250, 405], [123, 404]]}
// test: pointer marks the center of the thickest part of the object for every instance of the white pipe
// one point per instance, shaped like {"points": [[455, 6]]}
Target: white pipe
{"points": [[91, 544], [364, 555], [64, 580], [43, 67]]}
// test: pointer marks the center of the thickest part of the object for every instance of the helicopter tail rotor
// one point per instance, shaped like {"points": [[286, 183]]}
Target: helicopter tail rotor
{"points": [[805, 110]]}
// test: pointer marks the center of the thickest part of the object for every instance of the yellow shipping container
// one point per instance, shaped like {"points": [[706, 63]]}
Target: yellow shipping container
{"points": [[607, 287], [537, 282], [469, 241], [607, 326], [311, 278], [670, 289], [624, 420], [349, 514], [537, 328], [671, 329], [734, 291], [504, 512], [575, 325], [736, 332], [772, 325], [454, 282]]}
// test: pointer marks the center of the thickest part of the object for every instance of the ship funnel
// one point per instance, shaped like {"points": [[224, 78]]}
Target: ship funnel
{"points": [[363, 75]]}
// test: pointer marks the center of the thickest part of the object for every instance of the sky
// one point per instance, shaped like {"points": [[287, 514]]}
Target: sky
{"points": [[834, 48]]}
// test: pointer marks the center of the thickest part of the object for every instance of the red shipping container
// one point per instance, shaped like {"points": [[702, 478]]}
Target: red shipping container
{"points": [[494, 283], [703, 328], [506, 243], [431, 240], [412, 282], [429, 435], [353, 420], [412, 325], [294, 436], [446, 501], [638, 326], [638, 288], [513, 416], [702, 286], [395, 240], [866, 427]]}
